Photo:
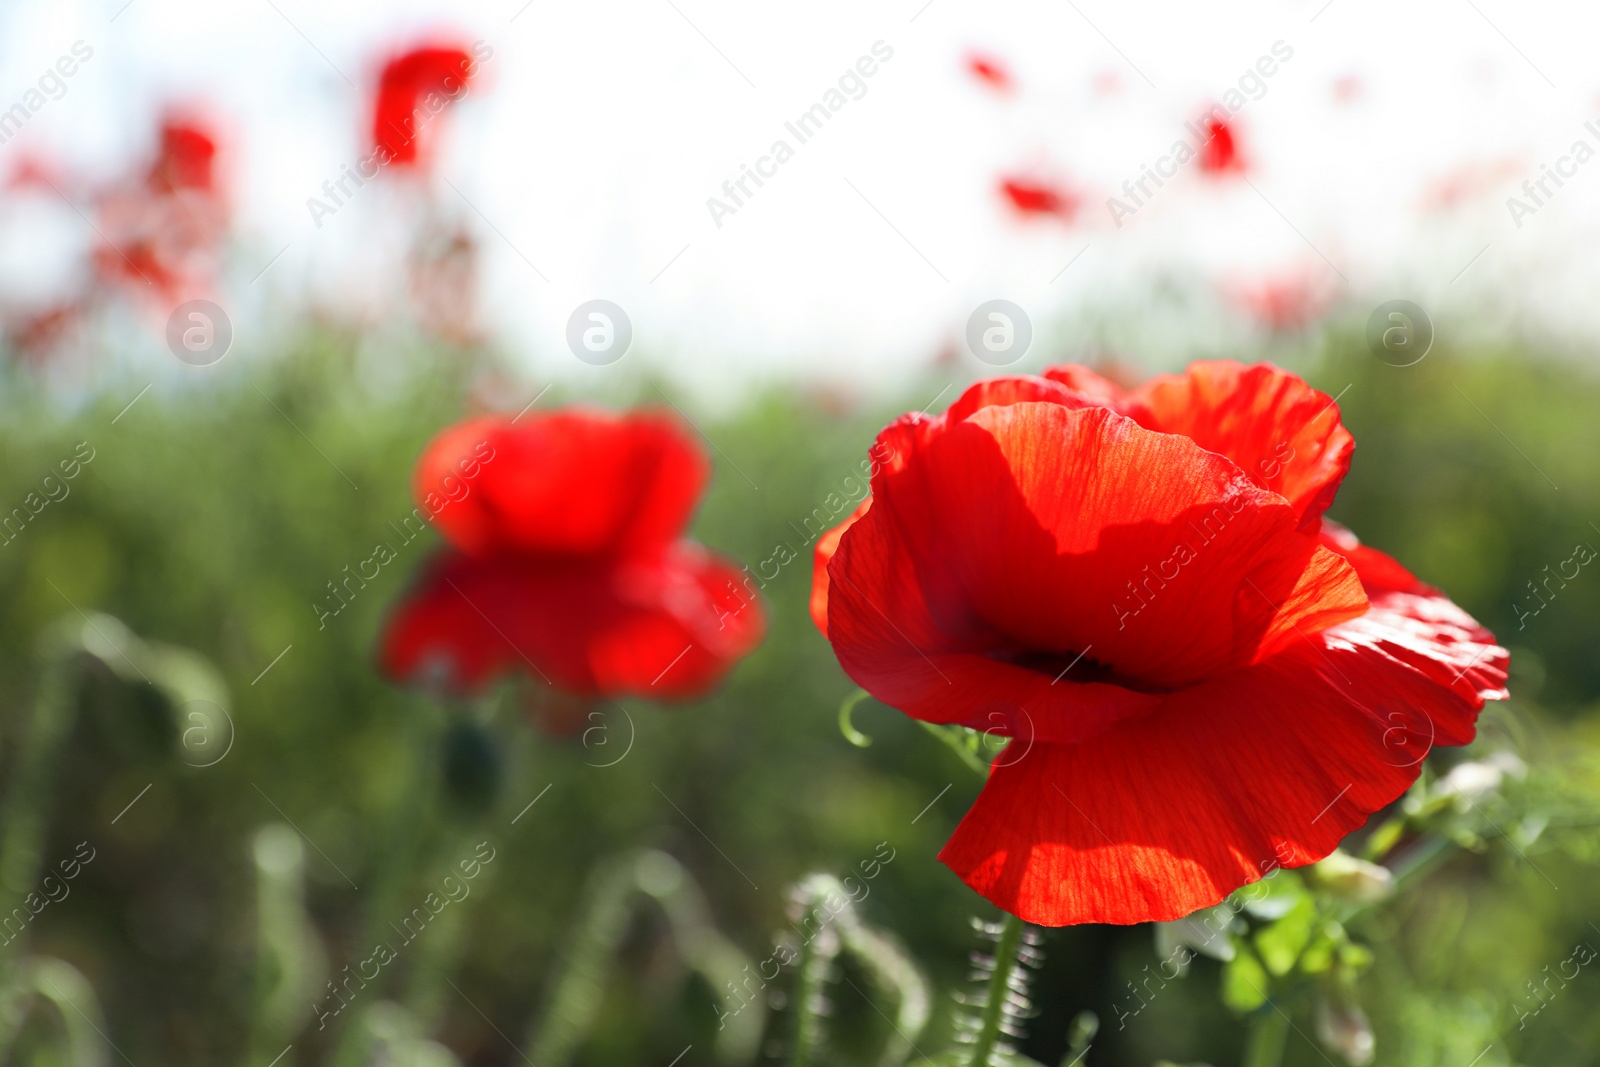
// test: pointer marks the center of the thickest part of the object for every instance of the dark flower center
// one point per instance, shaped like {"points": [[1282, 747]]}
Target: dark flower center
{"points": [[1075, 667]]}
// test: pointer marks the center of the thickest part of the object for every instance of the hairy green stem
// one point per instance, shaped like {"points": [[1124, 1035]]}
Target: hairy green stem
{"points": [[33, 783], [807, 1006], [27, 802], [994, 1005], [1263, 1046]]}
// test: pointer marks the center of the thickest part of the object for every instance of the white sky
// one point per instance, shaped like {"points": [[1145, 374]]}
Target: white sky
{"points": [[598, 130]]}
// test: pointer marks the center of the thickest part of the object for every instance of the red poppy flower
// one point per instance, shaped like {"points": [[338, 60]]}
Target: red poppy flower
{"points": [[567, 559], [164, 229], [405, 87], [1288, 302], [991, 71], [188, 154], [1202, 678], [1035, 198], [1220, 152]]}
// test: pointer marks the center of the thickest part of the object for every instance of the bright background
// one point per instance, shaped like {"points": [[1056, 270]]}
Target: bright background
{"points": [[1381, 156]]}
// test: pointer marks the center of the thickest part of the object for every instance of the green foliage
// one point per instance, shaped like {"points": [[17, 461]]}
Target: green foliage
{"points": [[217, 508]]}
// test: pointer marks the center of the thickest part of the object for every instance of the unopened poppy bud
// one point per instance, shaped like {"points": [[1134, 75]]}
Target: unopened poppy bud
{"points": [[473, 767], [1344, 1029], [1353, 879]]}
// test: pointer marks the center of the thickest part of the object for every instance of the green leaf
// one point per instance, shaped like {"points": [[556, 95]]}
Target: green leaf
{"points": [[1281, 943], [1244, 982], [1354, 956], [1274, 896], [1318, 956]]}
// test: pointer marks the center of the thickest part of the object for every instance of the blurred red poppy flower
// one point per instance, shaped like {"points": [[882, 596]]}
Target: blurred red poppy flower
{"points": [[411, 88], [1203, 679], [187, 155], [990, 71], [1220, 152], [163, 231], [567, 559], [1036, 198], [1288, 302]]}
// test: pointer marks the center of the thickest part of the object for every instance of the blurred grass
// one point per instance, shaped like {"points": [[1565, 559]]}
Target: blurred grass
{"points": [[214, 512]]}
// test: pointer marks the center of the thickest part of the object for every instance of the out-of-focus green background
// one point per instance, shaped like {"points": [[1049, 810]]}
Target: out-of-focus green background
{"points": [[216, 508]]}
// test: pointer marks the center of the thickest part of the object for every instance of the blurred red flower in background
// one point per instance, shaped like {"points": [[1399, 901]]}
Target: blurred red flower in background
{"points": [[1220, 153], [186, 160], [1203, 679], [1288, 302], [1036, 198], [421, 80], [990, 71], [164, 230], [567, 558]]}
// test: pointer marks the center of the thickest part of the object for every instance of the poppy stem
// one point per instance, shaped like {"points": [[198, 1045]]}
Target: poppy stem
{"points": [[999, 991], [1263, 1046], [808, 1003], [25, 817]]}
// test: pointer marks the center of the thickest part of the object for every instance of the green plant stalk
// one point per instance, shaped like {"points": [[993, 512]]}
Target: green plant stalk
{"points": [[578, 986], [33, 784], [994, 1005], [290, 963], [579, 983], [405, 844], [1263, 1045], [26, 806], [808, 994], [439, 954]]}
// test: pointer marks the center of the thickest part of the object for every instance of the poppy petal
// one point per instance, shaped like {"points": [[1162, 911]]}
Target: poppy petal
{"points": [[1263, 767], [1378, 571], [1089, 384], [827, 545], [1280, 431], [577, 482], [665, 625], [911, 430], [1013, 541], [403, 85]]}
